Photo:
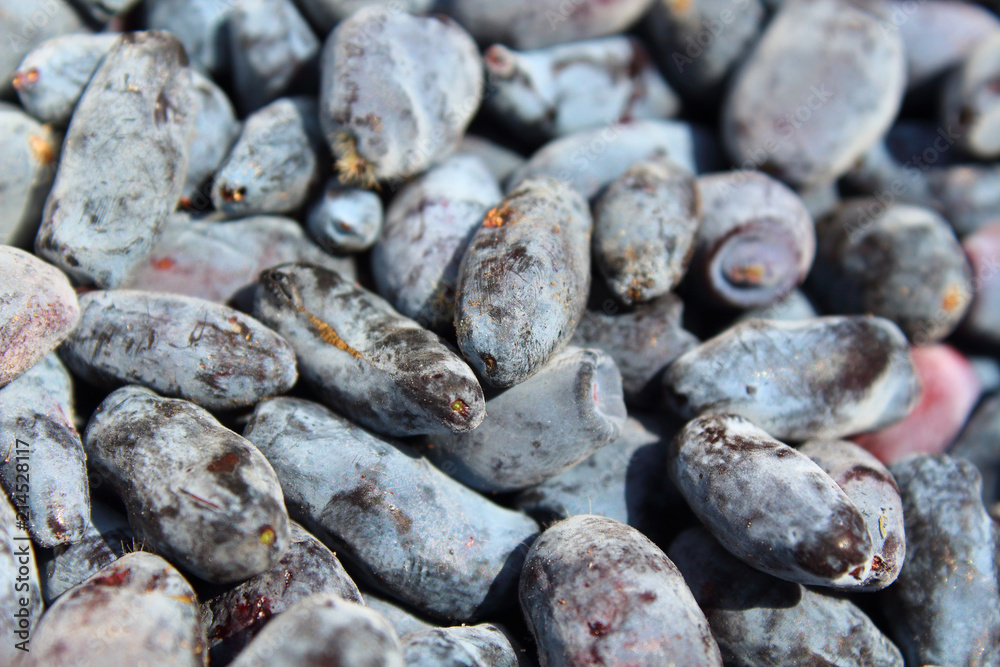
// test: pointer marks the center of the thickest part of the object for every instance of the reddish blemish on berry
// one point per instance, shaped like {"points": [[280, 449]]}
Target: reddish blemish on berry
{"points": [[163, 263], [116, 578], [224, 464]]}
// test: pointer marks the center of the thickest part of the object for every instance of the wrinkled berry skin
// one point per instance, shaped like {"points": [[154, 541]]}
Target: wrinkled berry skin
{"points": [[826, 377], [756, 241], [274, 162], [16, 552], [37, 410], [397, 92], [760, 620], [233, 618], [562, 89], [195, 491], [804, 112], [428, 227], [622, 481], [269, 44], [136, 610], [595, 591], [27, 167], [226, 359], [345, 220], [944, 608], [523, 282], [871, 488], [221, 262], [645, 225], [769, 505], [902, 263], [52, 76], [364, 359], [535, 24], [107, 538], [38, 309], [642, 341], [124, 161], [590, 159], [553, 420], [485, 645], [324, 629], [392, 513]]}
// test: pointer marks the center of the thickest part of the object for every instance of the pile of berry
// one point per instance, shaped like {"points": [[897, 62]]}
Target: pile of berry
{"points": [[556, 332]]}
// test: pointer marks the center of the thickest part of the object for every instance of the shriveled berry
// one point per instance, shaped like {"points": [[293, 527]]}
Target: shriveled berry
{"points": [[645, 226], [233, 618], [274, 162], [550, 422], [760, 620], [562, 89], [805, 113], [195, 491], [827, 377], [523, 282], [179, 346], [769, 505], [595, 591], [397, 92], [392, 513], [138, 609], [324, 629], [428, 227], [365, 359], [944, 608], [36, 415], [871, 488], [52, 76]]}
